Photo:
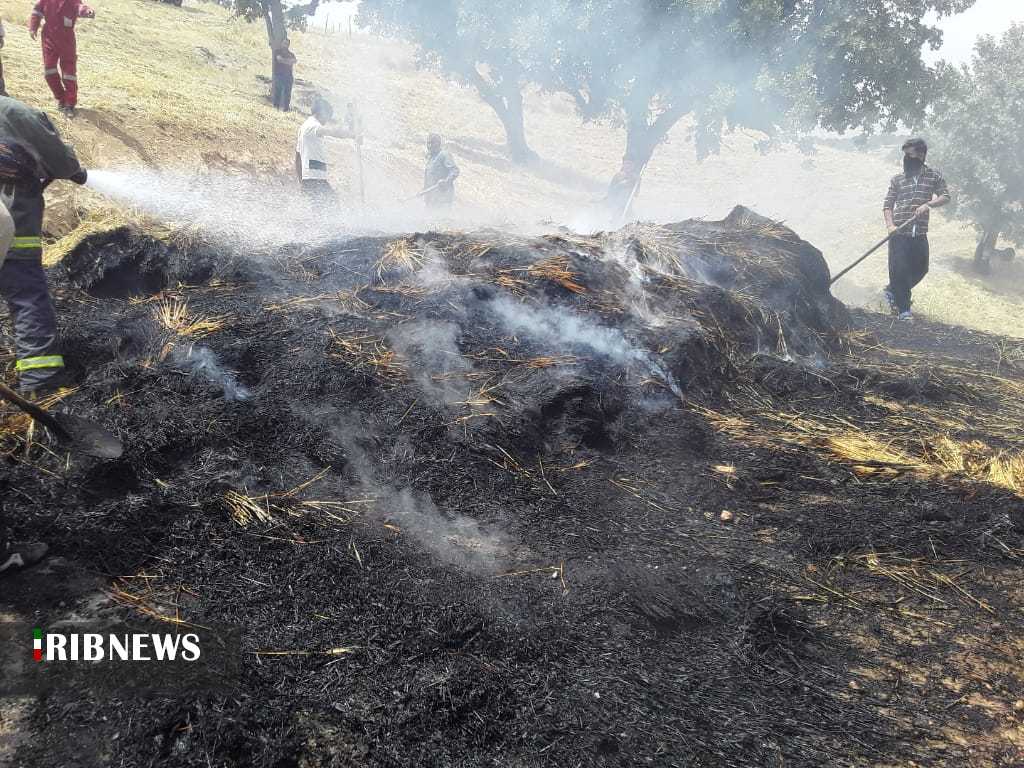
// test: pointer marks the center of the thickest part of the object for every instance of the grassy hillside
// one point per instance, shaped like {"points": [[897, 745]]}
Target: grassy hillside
{"points": [[185, 89]]}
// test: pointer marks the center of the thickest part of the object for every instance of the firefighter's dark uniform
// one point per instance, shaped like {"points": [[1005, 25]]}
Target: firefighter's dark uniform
{"points": [[35, 154]]}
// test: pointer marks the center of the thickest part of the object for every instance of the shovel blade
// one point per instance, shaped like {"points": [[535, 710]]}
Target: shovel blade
{"points": [[88, 437]]}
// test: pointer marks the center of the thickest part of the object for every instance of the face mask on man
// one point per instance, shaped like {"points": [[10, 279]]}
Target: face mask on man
{"points": [[912, 165]]}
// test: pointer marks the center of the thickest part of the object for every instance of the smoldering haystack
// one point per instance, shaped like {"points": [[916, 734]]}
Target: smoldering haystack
{"points": [[528, 341]]}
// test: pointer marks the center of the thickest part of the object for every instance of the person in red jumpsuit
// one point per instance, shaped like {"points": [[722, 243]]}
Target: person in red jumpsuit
{"points": [[60, 56]]}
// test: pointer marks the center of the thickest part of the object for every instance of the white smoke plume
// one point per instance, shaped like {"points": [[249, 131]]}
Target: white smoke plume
{"points": [[432, 353], [451, 537], [201, 361], [561, 329]]}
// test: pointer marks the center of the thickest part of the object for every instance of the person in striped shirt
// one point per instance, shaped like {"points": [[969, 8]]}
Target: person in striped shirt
{"points": [[912, 195]]}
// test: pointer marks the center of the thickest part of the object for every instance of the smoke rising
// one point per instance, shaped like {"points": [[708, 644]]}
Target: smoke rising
{"points": [[561, 329], [201, 361], [452, 538], [434, 359]]}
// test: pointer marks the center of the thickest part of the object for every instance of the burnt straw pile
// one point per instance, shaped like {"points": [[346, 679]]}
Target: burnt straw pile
{"points": [[651, 497]]}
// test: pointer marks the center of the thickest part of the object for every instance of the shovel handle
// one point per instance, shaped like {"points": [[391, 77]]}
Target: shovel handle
{"points": [[32, 410]]}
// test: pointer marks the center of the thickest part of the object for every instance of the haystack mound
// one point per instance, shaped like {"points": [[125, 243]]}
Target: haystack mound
{"points": [[522, 340], [476, 497]]}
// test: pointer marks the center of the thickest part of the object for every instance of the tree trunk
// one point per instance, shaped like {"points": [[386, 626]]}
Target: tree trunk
{"points": [[506, 99], [641, 141], [643, 137], [273, 15], [986, 245], [515, 129], [273, 12]]}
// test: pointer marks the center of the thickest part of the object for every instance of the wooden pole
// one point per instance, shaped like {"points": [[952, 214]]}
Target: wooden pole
{"points": [[632, 195], [888, 237]]}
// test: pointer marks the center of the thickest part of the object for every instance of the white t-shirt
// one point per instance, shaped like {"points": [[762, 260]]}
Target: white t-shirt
{"points": [[310, 148]]}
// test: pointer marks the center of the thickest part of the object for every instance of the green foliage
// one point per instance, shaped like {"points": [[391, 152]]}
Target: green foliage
{"points": [[294, 17], [489, 46], [777, 66], [977, 135], [456, 35]]}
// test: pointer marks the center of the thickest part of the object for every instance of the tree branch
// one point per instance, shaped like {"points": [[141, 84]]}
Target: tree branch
{"points": [[663, 123], [304, 10], [582, 102]]}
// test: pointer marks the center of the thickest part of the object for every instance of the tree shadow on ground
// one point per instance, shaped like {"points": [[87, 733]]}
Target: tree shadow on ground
{"points": [[108, 126], [495, 156], [1005, 278], [191, 11]]}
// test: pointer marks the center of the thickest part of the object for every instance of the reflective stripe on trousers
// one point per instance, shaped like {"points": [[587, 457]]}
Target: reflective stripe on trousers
{"points": [[44, 361], [23, 285], [27, 242]]}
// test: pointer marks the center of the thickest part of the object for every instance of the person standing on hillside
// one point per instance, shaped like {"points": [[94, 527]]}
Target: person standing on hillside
{"points": [[284, 67], [440, 175], [311, 155], [907, 207], [60, 48], [32, 155]]}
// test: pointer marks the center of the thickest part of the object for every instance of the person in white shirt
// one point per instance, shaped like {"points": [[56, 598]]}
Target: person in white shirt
{"points": [[311, 155]]}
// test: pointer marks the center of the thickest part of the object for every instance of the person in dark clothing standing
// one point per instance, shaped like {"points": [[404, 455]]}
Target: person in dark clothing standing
{"points": [[912, 195], [283, 76], [32, 155], [13, 556]]}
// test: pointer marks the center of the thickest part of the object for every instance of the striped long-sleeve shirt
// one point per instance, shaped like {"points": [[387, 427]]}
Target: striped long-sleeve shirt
{"points": [[908, 193]]}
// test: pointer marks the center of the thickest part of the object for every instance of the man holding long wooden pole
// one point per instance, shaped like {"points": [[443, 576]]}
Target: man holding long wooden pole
{"points": [[440, 175], [912, 195]]}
